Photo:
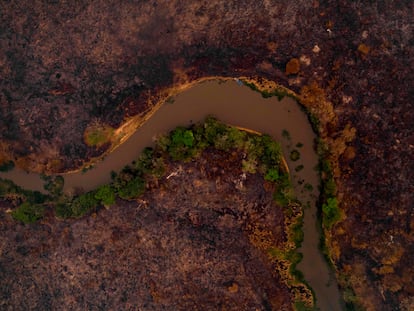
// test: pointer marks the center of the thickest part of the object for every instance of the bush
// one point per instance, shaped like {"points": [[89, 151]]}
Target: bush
{"points": [[144, 162], [150, 163], [294, 155], [182, 144], [299, 168], [106, 195], [28, 213], [63, 210], [213, 129], [297, 232], [83, 204], [54, 185], [132, 188], [272, 151], [7, 187], [330, 212], [272, 175], [6, 166]]}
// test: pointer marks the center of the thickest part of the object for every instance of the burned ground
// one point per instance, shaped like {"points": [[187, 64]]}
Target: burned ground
{"points": [[63, 66], [186, 244]]}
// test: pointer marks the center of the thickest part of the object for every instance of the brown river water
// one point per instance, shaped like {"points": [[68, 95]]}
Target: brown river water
{"points": [[236, 105]]}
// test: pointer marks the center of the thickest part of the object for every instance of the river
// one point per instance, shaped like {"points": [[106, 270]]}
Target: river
{"points": [[236, 105]]}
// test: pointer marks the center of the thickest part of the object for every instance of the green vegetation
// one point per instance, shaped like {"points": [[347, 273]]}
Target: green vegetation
{"points": [[54, 185], [182, 144], [286, 134], [308, 187], [97, 134], [28, 212], [294, 155], [299, 168], [106, 195], [302, 306], [261, 155], [30, 203], [280, 93], [170, 100], [6, 166], [331, 213], [87, 168], [82, 205], [297, 232]]}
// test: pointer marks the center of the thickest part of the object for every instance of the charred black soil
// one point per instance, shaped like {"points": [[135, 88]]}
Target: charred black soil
{"points": [[193, 241], [65, 66]]}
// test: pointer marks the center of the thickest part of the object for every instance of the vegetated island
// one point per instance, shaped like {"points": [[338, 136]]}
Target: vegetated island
{"points": [[205, 217]]}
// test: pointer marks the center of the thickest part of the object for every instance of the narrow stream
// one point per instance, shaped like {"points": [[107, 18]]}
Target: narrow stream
{"points": [[239, 106]]}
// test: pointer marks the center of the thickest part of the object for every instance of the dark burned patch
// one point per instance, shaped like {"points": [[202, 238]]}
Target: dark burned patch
{"points": [[184, 245], [90, 43]]}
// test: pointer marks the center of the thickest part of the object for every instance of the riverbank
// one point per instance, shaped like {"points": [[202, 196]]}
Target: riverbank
{"points": [[283, 120]]}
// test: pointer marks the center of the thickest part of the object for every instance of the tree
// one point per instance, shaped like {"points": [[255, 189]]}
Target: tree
{"points": [[28, 213], [106, 195]]}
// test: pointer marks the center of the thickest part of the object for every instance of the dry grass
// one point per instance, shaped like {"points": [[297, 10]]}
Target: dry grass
{"points": [[97, 134]]}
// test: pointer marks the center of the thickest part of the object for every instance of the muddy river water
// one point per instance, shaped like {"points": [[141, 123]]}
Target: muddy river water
{"points": [[237, 105]]}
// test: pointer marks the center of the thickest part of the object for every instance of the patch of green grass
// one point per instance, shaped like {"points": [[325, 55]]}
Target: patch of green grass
{"points": [[96, 135]]}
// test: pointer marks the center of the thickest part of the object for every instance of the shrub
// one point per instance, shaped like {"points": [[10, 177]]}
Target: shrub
{"points": [[28, 213], [299, 168], [273, 150], [249, 165], [144, 162], [7, 187], [286, 134], [297, 232], [294, 155], [212, 129], [182, 144], [63, 210], [272, 175], [236, 137], [6, 166], [83, 204], [54, 185], [331, 212], [131, 189], [106, 195]]}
